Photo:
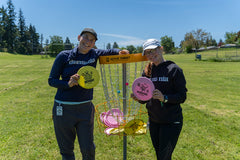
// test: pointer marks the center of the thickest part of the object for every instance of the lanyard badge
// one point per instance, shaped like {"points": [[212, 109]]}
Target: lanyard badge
{"points": [[59, 110]]}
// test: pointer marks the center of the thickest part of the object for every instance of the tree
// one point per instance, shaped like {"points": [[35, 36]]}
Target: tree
{"points": [[230, 37], [115, 45], [67, 44], [220, 42], [188, 43], [139, 49], [200, 37], [108, 46], [47, 42], [34, 39], [168, 44], [10, 30], [214, 42], [131, 49], [3, 16], [19, 37], [56, 45], [46, 47], [41, 42], [237, 39], [22, 38], [195, 39], [210, 41]]}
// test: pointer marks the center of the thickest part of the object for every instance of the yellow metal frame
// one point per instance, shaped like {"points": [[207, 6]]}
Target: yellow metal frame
{"points": [[126, 58]]}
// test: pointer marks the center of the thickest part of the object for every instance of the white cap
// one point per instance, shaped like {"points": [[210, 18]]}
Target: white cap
{"points": [[150, 44]]}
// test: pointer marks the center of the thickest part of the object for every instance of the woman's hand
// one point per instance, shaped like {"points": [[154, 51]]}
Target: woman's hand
{"points": [[134, 97], [73, 80], [158, 95]]}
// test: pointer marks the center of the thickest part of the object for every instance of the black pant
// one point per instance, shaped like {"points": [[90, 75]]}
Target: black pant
{"points": [[74, 120], [164, 138]]}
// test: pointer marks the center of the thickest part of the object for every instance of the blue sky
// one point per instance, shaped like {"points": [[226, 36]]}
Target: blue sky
{"points": [[130, 22]]}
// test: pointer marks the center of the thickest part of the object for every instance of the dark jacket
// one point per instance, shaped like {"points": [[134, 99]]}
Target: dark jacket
{"points": [[66, 64], [169, 79]]}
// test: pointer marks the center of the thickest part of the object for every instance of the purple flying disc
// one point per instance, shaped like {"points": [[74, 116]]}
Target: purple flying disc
{"points": [[143, 88], [113, 118]]}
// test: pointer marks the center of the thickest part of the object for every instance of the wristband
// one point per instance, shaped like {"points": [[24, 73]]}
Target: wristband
{"points": [[165, 99]]}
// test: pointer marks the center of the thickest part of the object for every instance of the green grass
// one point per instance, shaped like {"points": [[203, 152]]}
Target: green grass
{"points": [[211, 113], [221, 55]]}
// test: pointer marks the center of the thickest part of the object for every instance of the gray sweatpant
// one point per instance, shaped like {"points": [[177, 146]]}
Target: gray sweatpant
{"points": [[72, 120]]}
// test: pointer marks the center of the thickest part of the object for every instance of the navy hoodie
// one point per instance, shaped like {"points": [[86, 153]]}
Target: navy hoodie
{"points": [[66, 64], [169, 79]]}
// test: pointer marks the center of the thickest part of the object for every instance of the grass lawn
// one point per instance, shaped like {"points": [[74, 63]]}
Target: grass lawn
{"points": [[211, 113]]}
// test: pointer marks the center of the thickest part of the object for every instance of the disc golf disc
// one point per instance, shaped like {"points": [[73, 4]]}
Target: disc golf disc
{"points": [[143, 88], [113, 118], [108, 131], [114, 131], [133, 126], [89, 77]]}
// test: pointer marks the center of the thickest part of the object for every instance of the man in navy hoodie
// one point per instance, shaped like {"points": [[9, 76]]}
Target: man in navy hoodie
{"points": [[73, 111]]}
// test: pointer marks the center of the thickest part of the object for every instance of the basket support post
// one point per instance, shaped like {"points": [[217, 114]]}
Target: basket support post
{"points": [[124, 73]]}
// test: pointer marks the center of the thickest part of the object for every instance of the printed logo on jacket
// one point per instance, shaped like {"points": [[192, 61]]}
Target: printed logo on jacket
{"points": [[160, 79], [82, 62]]}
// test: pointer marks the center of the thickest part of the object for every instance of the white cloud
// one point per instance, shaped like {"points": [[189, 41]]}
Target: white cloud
{"points": [[168, 3], [123, 40]]}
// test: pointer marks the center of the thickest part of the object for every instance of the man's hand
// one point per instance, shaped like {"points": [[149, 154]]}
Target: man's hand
{"points": [[124, 51], [73, 80]]}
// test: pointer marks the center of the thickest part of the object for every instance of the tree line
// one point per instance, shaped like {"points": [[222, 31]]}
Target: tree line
{"points": [[202, 39], [192, 41], [17, 37], [24, 39]]}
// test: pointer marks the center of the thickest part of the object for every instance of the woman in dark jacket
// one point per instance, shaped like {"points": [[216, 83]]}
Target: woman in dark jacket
{"points": [[164, 110]]}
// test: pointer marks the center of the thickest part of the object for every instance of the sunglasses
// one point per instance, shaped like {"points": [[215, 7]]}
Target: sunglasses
{"points": [[150, 51]]}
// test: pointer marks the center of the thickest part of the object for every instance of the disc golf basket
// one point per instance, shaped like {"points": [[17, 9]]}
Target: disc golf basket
{"points": [[119, 114]]}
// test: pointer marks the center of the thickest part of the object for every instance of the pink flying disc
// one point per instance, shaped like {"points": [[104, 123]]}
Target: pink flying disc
{"points": [[143, 88], [113, 118]]}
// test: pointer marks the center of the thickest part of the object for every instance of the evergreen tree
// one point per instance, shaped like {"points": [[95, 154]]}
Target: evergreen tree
{"points": [[46, 47], [28, 43], [47, 42], [214, 42], [210, 41], [3, 14], [10, 30], [67, 44], [22, 39], [19, 37], [108, 46], [34, 40], [115, 45], [41, 40]]}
